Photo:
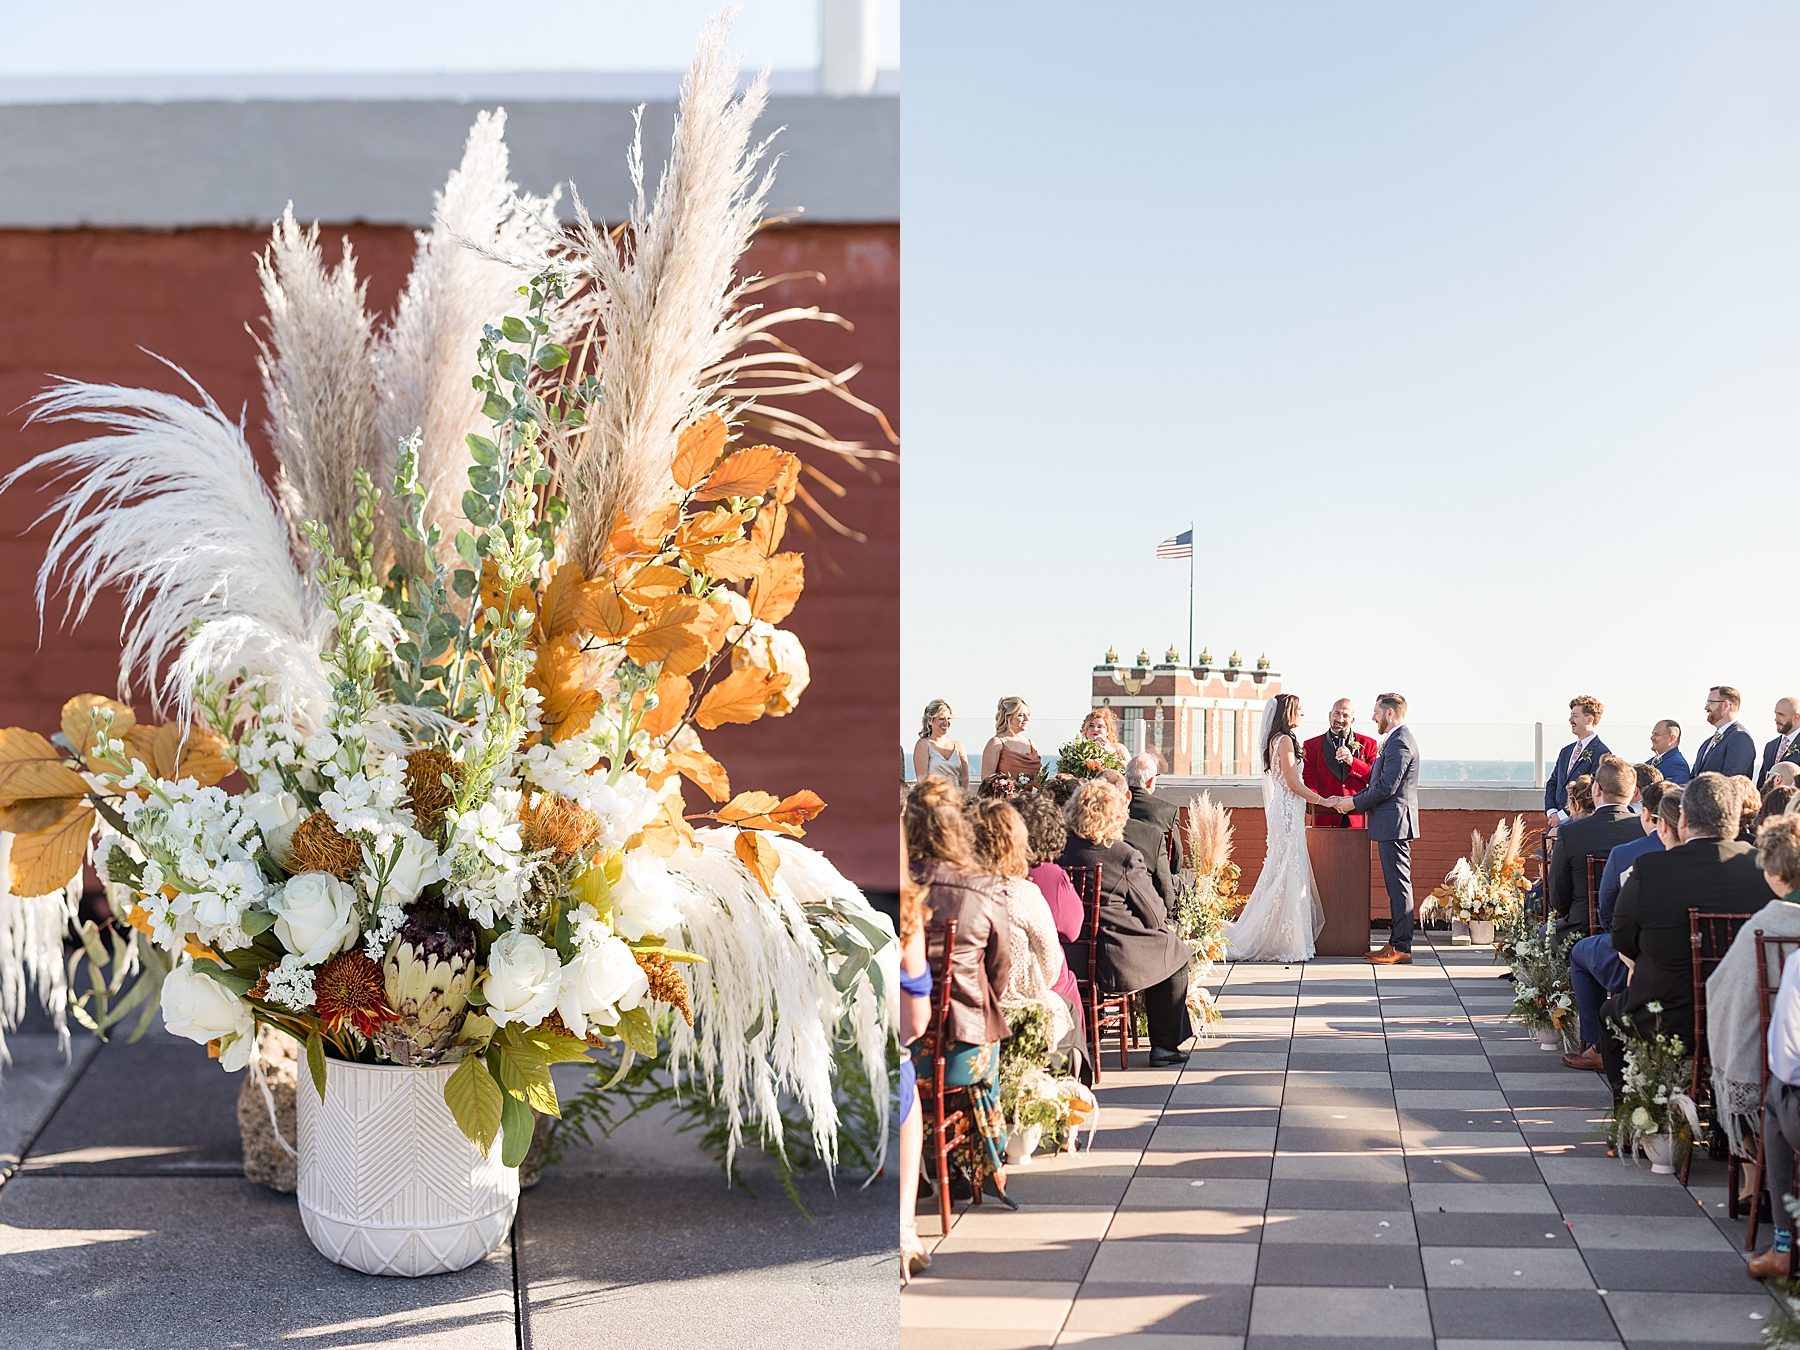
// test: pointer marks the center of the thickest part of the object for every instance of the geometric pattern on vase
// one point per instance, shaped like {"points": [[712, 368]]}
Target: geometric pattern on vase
{"points": [[387, 1183]]}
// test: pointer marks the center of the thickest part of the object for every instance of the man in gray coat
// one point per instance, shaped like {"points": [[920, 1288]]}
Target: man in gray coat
{"points": [[1391, 802]]}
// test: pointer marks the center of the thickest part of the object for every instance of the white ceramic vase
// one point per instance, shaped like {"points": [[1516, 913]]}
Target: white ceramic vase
{"points": [[388, 1185], [1021, 1144], [1549, 1038], [1481, 932], [1660, 1149], [1459, 933]]}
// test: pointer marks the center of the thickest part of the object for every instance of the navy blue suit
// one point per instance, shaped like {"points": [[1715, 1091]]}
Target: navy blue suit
{"points": [[1556, 791], [1768, 757], [1391, 802], [1594, 967], [1733, 755], [1672, 765]]}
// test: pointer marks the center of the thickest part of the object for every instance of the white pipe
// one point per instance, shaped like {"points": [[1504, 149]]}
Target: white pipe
{"points": [[846, 47]]}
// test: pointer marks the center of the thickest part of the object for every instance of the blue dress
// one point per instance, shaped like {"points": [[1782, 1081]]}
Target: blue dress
{"points": [[914, 986]]}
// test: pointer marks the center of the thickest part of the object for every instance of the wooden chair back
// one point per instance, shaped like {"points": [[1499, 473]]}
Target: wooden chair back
{"points": [[948, 1124], [1105, 1012], [1710, 936], [1771, 957], [1596, 866]]}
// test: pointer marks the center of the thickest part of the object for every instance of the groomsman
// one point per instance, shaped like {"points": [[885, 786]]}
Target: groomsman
{"points": [[1665, 752], [1574, 760], [1785, 748], [1729, 750]]}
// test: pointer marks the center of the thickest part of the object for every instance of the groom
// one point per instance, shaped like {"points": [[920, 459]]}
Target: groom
{"points": [[1391, 801]]}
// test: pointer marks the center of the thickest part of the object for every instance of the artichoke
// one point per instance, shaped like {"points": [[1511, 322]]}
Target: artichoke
{"points": [[427, 975]]}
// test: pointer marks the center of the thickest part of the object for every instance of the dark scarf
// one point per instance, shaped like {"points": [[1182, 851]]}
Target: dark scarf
{"points": [[1333, 741]]}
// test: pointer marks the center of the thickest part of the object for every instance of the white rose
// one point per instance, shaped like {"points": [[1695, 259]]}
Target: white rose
{"points": [[277, 814], [602, 981], [315, 916], [777, 650], [523, 979], [415, 869], [200, 1008], [644, 899]]}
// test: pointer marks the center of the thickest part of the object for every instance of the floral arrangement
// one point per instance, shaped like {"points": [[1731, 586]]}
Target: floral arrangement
{"points": [[1490, 883], [1653, 1098], [1088, 759], [459, 660], [1206, 899], [1030, 1093], [1543, 997]]}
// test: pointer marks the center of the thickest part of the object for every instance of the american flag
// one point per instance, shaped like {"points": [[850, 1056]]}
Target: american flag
{"points": [[1181, 546]]}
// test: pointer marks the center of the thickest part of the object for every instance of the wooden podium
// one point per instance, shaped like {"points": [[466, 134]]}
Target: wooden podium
{"points": [[1340, 863]]}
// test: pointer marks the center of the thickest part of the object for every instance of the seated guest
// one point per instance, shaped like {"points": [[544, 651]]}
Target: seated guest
{"points": [[1137, 952], [1150, 821], [1733, 1015], [1032, 941], [1709, 871], [1665, 751], [1061, 788], [1579, 798], [1591, 835], [1729, 750], [940, 850], [1786, 774], [1576, 759], [1749, 804], [1594, 967], [1781, 1116], [1045, 836], [1785, 748], [1774, 804], [1010, 751], [1646, 774]]}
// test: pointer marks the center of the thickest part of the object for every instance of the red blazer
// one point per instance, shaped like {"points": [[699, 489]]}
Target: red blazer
{"points": [[1313, 774]]}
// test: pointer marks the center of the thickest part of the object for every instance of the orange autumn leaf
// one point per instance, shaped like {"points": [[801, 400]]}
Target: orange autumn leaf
{"points": [[715, 524], [705, 772], [715, 622], [199, 754], [698, 449], [787, 483], [666, 832], [758, 854], [732, 560], [742, 696], [32, 767], [81, 724], [604, 614], [653, 582], [140, 744], [493, 598], [764, 811], [746, 473], [771, 525], [560, 611], [673, 694], [139, 918], [637, 541], [775, 592], [48, 859], [560, 675], [669, 638]]}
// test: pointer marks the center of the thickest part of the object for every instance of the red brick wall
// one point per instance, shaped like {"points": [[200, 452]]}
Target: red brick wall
{"points": [[1434, 853], [81, 303]]}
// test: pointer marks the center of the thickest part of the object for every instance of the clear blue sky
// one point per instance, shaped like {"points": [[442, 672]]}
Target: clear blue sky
{"points": [[212, 37], [1466, 334]]}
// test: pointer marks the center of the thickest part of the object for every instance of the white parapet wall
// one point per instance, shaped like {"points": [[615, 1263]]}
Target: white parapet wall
{"points": [[1247, 792]]}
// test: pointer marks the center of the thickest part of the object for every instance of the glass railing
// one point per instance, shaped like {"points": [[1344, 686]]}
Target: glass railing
{"points": [[1451, 752]]}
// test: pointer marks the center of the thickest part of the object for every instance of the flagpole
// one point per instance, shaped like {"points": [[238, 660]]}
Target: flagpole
{"points": [[1190, 594]]}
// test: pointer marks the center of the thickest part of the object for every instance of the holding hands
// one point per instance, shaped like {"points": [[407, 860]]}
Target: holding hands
{"points": [[1341, 804]]}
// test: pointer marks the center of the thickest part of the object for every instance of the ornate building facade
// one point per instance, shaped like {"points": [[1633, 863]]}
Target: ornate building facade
{"points": [[1201, 720]]}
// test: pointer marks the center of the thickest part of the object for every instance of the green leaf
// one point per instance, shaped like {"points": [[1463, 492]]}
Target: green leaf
{"points": [[256, 921], [521, 1069], [515, 329], [557, 1049], [495, 408], [238, 984], [550, 356], [639, 1031], [477, 999], [462, 581], [476, 1102], [516, 1125], [477, 508], [484, 450], [315, 1060], [466, 550], [485, 479]]}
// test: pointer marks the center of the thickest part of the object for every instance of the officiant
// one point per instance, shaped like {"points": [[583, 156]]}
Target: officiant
{"points": [[1338, 764]]}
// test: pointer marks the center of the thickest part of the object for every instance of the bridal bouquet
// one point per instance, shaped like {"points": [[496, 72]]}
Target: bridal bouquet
{"points": [[1490, 883], [1083, 758]]}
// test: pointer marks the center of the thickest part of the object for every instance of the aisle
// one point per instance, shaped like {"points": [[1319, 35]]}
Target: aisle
{"points": [[1362, 1158]]}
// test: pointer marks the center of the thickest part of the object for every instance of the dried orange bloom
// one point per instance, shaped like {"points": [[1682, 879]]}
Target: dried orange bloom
{"points": [[666, 984], [318, 846], [556, 823], [425, 790], [348, 992]]}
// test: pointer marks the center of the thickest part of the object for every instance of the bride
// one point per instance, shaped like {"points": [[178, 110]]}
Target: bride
{"points": [[1283, 916]]}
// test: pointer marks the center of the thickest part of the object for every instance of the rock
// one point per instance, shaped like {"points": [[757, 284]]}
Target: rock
{"points": [[265, 1161]]}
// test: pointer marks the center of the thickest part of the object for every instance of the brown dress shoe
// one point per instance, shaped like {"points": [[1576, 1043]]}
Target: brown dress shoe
{"points": [[1388, 956], [1769, 1265], [1589, 1058]]}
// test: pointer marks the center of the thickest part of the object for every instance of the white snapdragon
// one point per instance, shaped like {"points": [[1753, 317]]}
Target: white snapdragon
{"points": [[200, 842], [602, 980], [644, 898], [524, 977], [488, 894], [315, 916], [490, 830], [368, 801], [200, 1008]]}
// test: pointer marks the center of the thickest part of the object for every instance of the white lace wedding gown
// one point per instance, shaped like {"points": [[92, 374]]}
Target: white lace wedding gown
{"points": [[1283, 915]]}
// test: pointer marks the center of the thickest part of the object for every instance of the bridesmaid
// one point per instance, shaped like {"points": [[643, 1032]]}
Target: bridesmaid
{"points": [[935, 755], [1102, 726], [1011, 751]]}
